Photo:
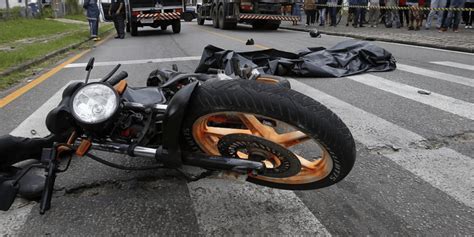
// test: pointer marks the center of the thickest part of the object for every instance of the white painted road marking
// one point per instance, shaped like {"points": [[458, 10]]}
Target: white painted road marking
{"points": [[248, 212], [446, 103], [438, 75], [142, 61], [455, 64], [443, 168]]}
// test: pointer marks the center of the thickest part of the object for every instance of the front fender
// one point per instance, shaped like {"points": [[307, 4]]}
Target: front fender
{"points": [[172, 125]]}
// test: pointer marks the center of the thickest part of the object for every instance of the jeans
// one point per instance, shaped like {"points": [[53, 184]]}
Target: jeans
{"points": [[93, 26], [332, 15], [453, 19], [322, 16], [439, 14], [468, 15]]}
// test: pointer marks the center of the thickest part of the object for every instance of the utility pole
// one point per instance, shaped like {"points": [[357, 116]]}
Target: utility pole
{"points": [[8, 7], [26, 8]]}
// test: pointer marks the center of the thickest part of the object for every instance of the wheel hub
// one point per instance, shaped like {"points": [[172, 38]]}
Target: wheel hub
{"points": [[279, 161]]}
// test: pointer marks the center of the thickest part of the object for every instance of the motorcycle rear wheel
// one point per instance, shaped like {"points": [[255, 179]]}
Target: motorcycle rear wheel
{"points": [[320, 140]]}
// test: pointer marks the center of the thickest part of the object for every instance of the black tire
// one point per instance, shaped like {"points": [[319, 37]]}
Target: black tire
{"points": [[281, 104], [163, 27], [133, 29], [176, 26], [215, 20], [127, 27], [200, 20], [188, 17], [271, 79]]}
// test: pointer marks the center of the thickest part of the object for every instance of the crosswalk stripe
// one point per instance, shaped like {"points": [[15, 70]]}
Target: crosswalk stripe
{"points": [[226, 207], [142, 61], [443, 168], [438, 75], [446, 103], [455, 64]]}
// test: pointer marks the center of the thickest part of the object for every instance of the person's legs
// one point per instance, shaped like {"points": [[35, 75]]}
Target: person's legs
{"points": [[355, 20], [93, 27], [121, 26], [429, 19], [322, 16], [456, 20], [333, 14], [308, 16], [362, 16]]}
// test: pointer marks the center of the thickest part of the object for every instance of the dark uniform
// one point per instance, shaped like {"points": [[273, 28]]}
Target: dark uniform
{"points": [[117, 11]]}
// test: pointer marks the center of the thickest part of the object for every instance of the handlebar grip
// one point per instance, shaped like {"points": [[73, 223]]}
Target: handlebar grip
{"points": [[212, 70], [117, 78]]}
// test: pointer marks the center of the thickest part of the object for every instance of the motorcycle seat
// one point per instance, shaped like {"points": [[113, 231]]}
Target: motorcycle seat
{"points": [[144, 95]]}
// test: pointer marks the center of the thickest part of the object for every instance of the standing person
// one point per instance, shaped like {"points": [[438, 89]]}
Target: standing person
{"points": [[117, 11], [439, 14], [374, 13], [414, 15], [296, 10], [468, 15], [391, 15], [352, 11], [309, 7], [444, 16], [403, 12], [332, 11], [92, 12], [322, 11], [454, 17]]}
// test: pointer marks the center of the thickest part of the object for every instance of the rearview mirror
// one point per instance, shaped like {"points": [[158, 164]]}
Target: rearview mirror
{"points": [[8, 191], [90, 64]]}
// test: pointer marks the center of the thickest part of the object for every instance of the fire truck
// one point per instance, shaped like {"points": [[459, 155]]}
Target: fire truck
{"points": [[261, 14], [153, 13]]}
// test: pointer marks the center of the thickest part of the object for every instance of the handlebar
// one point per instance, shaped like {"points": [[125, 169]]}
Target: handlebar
{"points": [[117, 78]]}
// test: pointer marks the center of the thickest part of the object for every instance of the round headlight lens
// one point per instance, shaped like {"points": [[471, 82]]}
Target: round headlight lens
{"points": [[94, 103]]}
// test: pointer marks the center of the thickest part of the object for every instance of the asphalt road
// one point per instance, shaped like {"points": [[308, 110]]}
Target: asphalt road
{"points": [[414, 173]]}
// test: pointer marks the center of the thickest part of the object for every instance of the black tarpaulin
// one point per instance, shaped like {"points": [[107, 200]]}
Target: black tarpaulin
{"points": [[344, 59]]}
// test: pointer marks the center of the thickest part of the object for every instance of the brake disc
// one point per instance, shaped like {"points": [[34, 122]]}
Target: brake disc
{"points": [[279, 161]]}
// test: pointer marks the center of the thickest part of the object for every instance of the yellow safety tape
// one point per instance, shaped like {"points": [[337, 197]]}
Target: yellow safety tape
{"points": [[399, 8]]}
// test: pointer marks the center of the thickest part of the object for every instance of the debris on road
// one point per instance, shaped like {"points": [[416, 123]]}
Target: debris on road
{"points": [[315, 34], [344, 59], [423, 92], [250, 42]]}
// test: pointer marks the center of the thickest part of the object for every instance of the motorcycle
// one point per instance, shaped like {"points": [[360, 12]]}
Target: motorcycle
{"points": [[257, 128]]}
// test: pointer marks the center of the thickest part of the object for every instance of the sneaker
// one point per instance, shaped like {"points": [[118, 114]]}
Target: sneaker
{"points": [[96, 39], [442, 30], [466, 27]]}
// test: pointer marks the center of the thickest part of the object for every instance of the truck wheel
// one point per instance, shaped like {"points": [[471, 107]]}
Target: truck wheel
{"points": [[200, 20], [164, 27], [215, 20], [188, 17], [176, 26], [223, 24], [133, 29], [272, 26], [127, 27]]}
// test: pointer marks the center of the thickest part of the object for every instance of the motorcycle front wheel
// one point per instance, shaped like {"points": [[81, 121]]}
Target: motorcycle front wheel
{"points": [[289, 120]]}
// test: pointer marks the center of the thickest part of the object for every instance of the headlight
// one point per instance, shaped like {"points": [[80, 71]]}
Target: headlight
{"points": [[94, 103]]}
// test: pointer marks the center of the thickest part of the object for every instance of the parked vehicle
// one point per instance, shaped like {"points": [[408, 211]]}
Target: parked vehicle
{"points": [[259, 130], [261, 14], [156, 14]]}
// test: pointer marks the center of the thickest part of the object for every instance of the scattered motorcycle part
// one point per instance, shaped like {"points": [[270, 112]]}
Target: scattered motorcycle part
{"points": [[250, 42], [315, 34], [279, 162], [423, 92]]}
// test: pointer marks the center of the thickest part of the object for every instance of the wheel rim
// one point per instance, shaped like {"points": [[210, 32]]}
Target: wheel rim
{"points": [[267, 80], [209, 128]]}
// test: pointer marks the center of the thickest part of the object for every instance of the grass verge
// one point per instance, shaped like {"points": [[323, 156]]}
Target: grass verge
{"points": [[30, 52], [77, 17]]}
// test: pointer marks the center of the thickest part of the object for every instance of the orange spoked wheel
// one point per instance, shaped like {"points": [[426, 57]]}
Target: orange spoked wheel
{"points": [[209, 129], [302, 144], [271, 79]]}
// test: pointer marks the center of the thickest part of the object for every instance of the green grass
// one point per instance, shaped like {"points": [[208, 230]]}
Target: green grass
{"points": [[12, 30], [78, 17], [27, 52]]}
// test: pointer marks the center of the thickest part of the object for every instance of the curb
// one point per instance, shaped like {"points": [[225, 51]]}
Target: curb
{"points": [[375, 38], [27, 64]]}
